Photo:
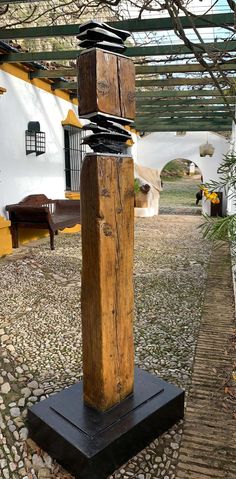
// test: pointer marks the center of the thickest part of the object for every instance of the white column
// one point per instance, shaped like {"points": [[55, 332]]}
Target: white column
{"points": [[231, 207]]}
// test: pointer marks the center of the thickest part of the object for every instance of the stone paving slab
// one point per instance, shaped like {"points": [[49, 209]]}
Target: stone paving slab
{"points": [[180, 210], [208, 446]]}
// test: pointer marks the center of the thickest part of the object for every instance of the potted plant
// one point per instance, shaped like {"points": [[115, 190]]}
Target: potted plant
{"points": [[140, 194]]}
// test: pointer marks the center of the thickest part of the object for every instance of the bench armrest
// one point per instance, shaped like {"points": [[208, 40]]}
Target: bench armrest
{"points": [[28, 214], [11, 207]]}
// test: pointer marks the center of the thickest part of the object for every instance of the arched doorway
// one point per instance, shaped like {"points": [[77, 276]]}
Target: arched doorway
{"points": [[181, 194], [157, 149]]}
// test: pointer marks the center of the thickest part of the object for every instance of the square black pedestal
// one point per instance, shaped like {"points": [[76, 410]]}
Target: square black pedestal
{"points": [[91, 444]]}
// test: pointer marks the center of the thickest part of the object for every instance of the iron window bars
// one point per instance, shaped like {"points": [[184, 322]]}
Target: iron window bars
{"points": [[74, 154], [35, 140]]}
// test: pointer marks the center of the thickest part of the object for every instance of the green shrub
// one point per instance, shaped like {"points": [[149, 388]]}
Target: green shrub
{"points": [[136, 185], [175, 168]]}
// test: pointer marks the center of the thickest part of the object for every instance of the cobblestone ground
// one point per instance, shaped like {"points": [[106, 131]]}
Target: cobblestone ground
{"points": [[40, 334]]}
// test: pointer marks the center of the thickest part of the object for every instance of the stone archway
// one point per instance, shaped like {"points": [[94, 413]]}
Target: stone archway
{"points": [[158, 149], [180, 188], [199, 166]]}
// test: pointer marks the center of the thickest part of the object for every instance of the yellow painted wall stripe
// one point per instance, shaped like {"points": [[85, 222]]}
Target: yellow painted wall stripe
{"points": [[22, 72], [5, 237], [72, 120], [72, 195]]}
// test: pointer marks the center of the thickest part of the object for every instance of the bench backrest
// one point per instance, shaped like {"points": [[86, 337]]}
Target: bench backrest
{"points": [[38, 200], [35, 200], [40, 209]]}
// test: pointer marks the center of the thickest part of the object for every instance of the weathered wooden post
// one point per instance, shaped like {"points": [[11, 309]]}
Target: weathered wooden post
{"points": [[107, 205], [107, 275], [93, 427]]}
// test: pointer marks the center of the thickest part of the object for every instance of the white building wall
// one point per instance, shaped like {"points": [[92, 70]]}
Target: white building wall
{"points": [[21, 174], [231, 204], [158, 149]]}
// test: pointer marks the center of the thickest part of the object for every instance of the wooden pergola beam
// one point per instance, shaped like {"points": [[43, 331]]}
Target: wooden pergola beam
{"points": [[180, 82], [187, 68], [183, 108], [58, 73], [182, 127], [182, 123], [213, 115], [65, 85], [132, 25], [139, 69], [179, 49], [187, 115], [180, 102], [176, 120], [183, 93], [157, 93], [157, 50]]}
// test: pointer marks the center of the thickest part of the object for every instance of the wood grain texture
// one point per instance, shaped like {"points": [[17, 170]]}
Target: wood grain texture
{"points": [[126, 76], [106, 84], [107, 204], [87, 82]]}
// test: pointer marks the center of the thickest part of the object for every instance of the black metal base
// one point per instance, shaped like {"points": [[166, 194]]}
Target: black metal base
{"points": [[91, 444]]}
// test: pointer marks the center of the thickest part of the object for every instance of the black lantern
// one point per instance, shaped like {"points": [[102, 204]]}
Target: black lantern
{"points": [[35, 140]]}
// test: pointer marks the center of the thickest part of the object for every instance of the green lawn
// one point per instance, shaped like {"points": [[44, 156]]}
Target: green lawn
{"points": [[179, 192]]}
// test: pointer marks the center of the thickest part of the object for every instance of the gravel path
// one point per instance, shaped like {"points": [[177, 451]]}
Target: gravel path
{"points": [[40, 334]]}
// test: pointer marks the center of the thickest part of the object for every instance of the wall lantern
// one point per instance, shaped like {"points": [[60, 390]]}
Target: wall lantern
{"points": [[207, 149], [35, 140]]}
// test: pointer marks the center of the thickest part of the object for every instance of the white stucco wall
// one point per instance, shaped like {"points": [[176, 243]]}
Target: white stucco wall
{"points": [[132, 151], [21, 174], [158, 149], [231, 204]]}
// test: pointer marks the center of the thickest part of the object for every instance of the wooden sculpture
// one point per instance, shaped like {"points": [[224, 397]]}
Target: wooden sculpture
{"points": [[107, 84]]}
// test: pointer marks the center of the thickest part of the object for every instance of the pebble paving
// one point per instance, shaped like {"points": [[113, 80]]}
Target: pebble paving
{"points": [[40, 334]]}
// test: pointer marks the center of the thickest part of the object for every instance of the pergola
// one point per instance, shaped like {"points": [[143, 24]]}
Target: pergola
{"points": [[95, 426], [177, 103]]}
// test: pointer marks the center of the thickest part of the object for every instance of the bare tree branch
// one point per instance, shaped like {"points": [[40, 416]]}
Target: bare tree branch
{"points": [[173, 10], [4, 10], [232, 5]]}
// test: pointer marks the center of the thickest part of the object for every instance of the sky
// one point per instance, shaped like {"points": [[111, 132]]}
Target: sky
{"points": [[197, 7]]}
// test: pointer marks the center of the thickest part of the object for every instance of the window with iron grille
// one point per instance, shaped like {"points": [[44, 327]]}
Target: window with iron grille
{"points": [[74, 153]]}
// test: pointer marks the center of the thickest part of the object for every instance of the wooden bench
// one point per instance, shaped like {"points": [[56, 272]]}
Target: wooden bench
{"points": [[38, 211]]}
